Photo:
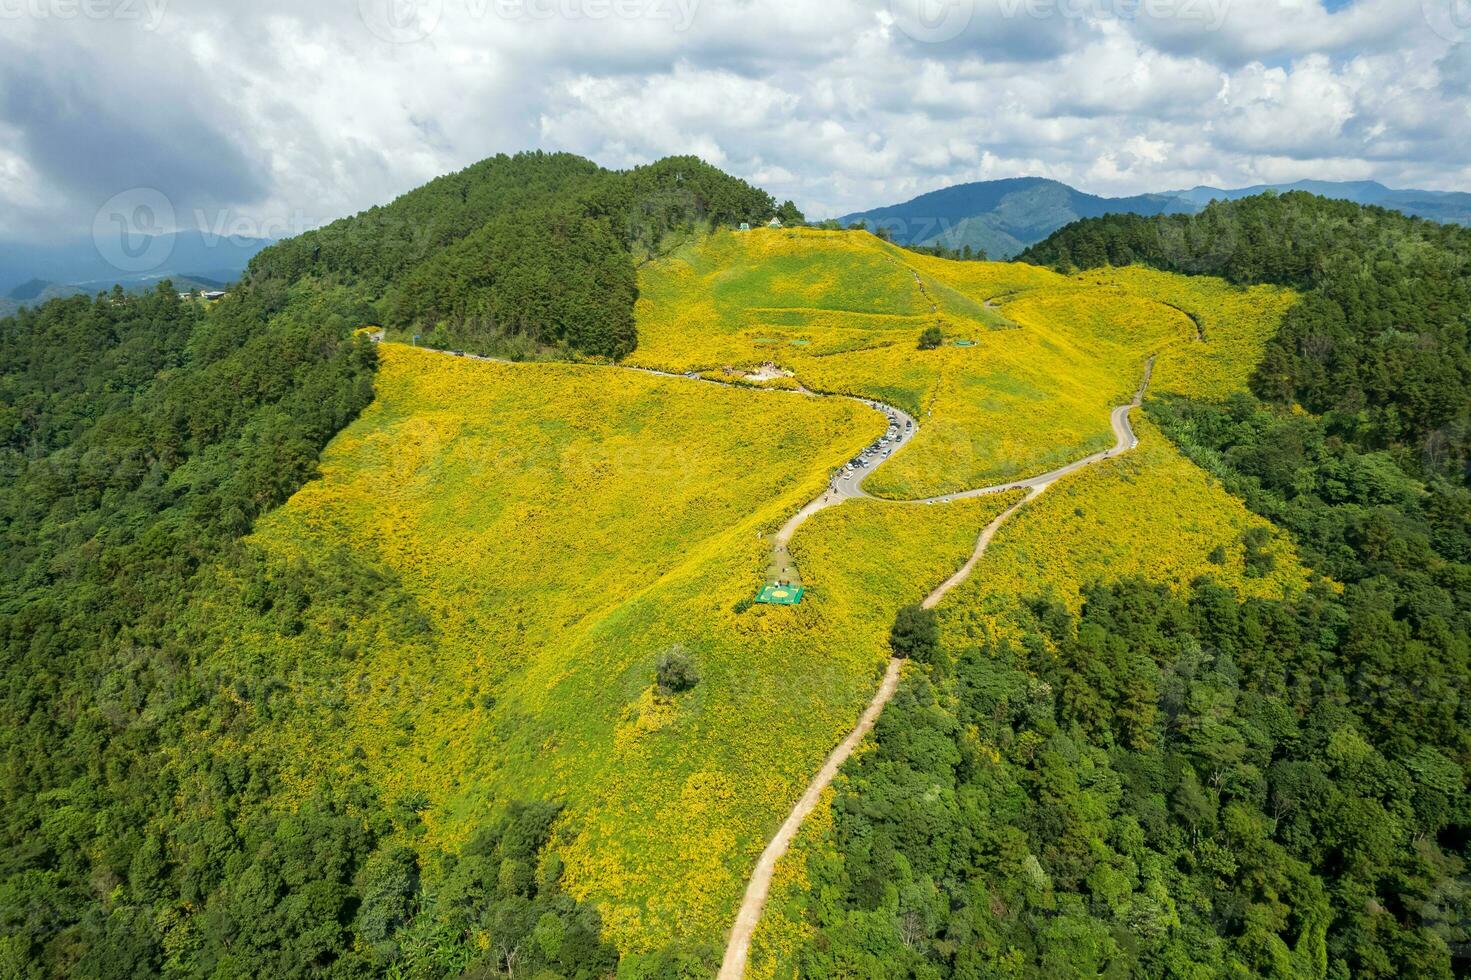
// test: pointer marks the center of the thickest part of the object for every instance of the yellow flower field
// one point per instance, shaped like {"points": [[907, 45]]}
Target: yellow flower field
{"points": [[784, 928], [551, 529], [1235, 324], [1151, 514], [1049, 356], [1026, 401], [559, 527]]}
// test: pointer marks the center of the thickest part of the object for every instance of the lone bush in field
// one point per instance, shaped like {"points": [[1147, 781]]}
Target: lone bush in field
{"points": [[931, 339], [916, 634], [675, 671]]}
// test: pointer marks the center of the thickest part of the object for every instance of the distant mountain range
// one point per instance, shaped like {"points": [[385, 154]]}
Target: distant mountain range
{"points": [[31, 274], [1003, 217], [37, 291]]}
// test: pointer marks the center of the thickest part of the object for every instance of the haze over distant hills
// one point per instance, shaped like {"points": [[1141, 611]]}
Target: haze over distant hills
{"points": [[1003, 217], [31, 274], [1453, 207]]}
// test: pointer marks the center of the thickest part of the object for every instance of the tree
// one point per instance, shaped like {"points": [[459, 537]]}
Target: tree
{"points": [[915, 634], [387, 883], [932, 338], [676, 671], [789, 215]]}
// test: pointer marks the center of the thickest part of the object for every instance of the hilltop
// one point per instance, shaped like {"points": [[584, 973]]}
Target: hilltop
{"points": [[561, 528]]}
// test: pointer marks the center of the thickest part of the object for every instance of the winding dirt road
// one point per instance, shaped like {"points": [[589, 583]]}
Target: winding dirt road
{"points": [[849, 486], [738, 947]]}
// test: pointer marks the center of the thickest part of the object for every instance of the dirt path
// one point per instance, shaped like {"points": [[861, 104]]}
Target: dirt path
{"points": [[738, 947]]}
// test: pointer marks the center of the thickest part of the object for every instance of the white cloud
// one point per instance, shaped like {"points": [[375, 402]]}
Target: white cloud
{"points": [[282, 111]]}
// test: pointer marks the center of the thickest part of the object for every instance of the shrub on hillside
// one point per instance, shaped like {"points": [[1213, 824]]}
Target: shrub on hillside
{"points": [[676, 671], [915, 634]]}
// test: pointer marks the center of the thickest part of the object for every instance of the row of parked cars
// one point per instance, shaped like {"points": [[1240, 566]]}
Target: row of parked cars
{"points": [[880, 450]]}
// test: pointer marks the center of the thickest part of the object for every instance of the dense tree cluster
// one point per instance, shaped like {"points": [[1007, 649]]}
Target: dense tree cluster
{"points": [[1197, 785], [915, 634], [931, 338], [1158, 787], [142, 438], [517, 253]]}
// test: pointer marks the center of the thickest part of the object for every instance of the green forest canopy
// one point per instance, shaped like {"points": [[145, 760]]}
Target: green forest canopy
{"points": [[1186, 785], [1198, 785], [1379, 344], [140, 438], [537, 247]]}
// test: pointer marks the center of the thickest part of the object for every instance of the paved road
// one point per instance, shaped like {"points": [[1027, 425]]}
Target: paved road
{"points": [[848, 483], [738, 946]]}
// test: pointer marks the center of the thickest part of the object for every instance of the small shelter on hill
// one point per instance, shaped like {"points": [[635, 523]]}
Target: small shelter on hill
{"points": [[774, 223], [780, 595]]}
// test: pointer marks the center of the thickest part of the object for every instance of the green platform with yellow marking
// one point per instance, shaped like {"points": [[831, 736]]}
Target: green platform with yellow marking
{"points": [[780, 595]]}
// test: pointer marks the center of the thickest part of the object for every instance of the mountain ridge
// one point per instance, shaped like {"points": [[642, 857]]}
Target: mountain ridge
{"points": [[1004, 217]]}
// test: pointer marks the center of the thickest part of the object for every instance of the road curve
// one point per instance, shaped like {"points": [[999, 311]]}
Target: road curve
{"points": [[738, 946]]}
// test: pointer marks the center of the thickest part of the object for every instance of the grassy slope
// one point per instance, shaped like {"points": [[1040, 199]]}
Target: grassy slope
{"points": [[1235, 323], [843, 311], [1151, 514], [559, 527]]}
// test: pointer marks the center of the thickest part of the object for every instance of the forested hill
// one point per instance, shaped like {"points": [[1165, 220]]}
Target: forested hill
{"points": [[141, 436], [999, 217], [517, 252], [1379, 343]]}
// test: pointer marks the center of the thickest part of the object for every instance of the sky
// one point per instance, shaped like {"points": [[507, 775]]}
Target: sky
{"points": [[265, 118]]}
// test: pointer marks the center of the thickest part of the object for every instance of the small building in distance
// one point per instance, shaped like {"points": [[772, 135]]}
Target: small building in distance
{"points": [[774, 223], [745, 226]]}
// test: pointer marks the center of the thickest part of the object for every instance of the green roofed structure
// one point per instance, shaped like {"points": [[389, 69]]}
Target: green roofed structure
{"points": [[780, 595]]}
